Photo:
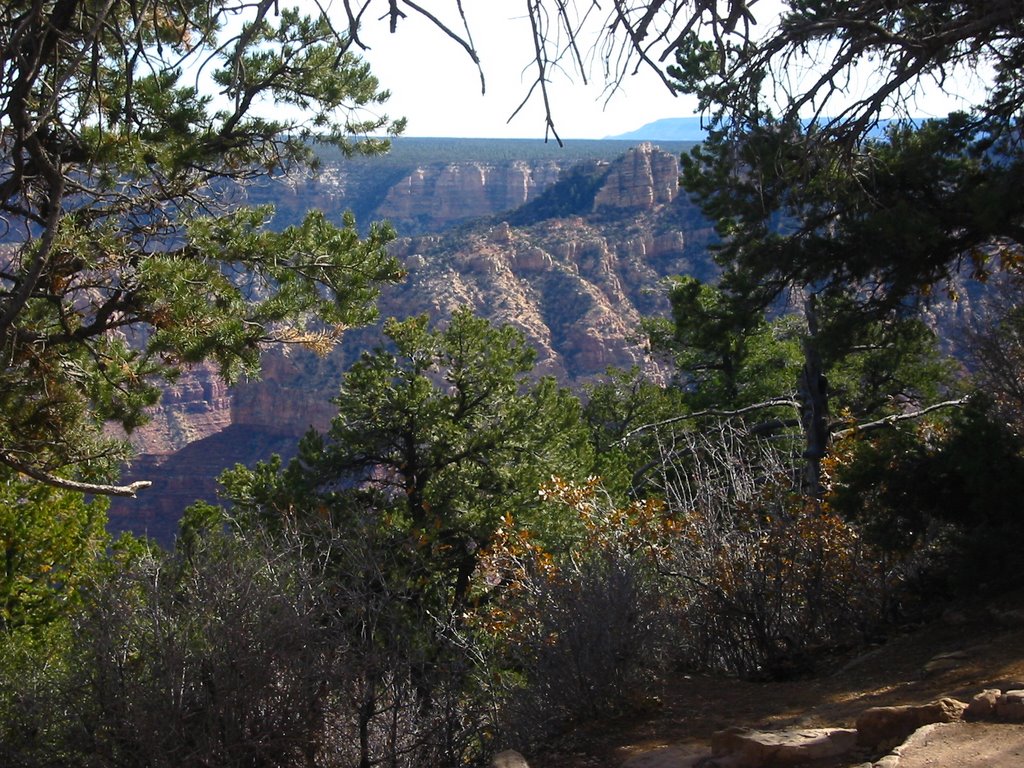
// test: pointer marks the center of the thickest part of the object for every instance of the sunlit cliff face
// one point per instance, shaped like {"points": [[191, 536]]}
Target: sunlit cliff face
{"points": [[575, 286]]}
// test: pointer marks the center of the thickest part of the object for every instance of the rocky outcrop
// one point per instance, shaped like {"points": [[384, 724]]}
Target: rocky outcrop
{"points": [[743, 748], [195, 406], [886, 727], [433, 197], [884, 737], [645, 178], [998, 705], [292, 395], [182, 477]]}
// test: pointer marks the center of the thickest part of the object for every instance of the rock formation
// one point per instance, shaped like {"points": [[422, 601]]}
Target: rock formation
{"points": [[885, 737], [887, 727], [576, 287], [645, 178], [433, 198], [194, 407]]}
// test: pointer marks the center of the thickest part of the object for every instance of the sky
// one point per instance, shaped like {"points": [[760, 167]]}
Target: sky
{"points": [[436, 86]]}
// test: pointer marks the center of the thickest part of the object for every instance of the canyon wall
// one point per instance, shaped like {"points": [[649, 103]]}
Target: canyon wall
{"points": [[576, 286], [429, 199]]}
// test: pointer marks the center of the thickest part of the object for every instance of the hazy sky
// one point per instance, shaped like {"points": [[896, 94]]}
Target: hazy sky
{"points": [[436, 86]]}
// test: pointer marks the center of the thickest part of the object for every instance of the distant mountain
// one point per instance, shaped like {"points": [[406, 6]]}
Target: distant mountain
{"points": [[667, 129], [690, 129]]}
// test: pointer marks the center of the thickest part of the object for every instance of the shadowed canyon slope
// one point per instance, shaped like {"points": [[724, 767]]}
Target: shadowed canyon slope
{"points": [[572, 256]]}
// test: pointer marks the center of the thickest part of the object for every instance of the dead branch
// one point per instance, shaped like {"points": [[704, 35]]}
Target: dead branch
{"points": [[895, 418], [99, 489], [774, 403]]}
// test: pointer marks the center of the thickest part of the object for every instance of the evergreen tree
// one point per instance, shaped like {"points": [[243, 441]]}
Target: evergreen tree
{"points": [[726, 352], [437, 439], [440, 438], [128, 131], [53, 548]]}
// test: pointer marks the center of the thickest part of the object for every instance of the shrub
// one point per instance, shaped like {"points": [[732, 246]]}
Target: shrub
{"points": [[767, 577], [575, 636], [942, 498], [236, 650], [781, 581]]}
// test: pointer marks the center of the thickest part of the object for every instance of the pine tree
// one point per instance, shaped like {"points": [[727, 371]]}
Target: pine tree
{"points": [[128, 131]]}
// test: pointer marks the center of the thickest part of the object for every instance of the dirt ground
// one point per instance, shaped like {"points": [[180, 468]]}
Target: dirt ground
{"points": [[687, 709], [964, 745]]}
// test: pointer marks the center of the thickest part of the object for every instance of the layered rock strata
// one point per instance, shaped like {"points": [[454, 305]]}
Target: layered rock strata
{"points": [[576, 287]]}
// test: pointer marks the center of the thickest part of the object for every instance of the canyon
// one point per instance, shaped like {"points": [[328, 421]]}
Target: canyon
{"points": [[570, 252]]}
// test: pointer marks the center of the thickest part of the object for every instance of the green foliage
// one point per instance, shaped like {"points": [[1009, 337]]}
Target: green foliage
{"points": [[621, 411], [742, 75], [726, 352], [53, 541], [34, 663], [438, 438], [238, 648], [53, 547], [125, 128], [893, 222], [730, 358], [882, 365], [445, 431], [949, 488], [867, 226], [861, 241]]}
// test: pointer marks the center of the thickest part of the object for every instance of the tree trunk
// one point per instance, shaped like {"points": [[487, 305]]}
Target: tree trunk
{"points": [[813, 396]]}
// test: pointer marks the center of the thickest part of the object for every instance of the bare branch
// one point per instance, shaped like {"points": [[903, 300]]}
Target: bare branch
{"points": [[896, 418], [466, 44], [563, 33], [535, 9], [774, 403], [100, 489]]}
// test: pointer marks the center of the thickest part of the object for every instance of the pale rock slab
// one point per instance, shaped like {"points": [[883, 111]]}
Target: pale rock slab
{"points": [[509, 759], [743, 748], [885, 727]]}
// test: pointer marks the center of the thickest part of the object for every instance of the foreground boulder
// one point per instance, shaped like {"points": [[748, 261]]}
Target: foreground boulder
{"points": [[881, 728], [509, 759], [744, 748], [994, 704]]}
